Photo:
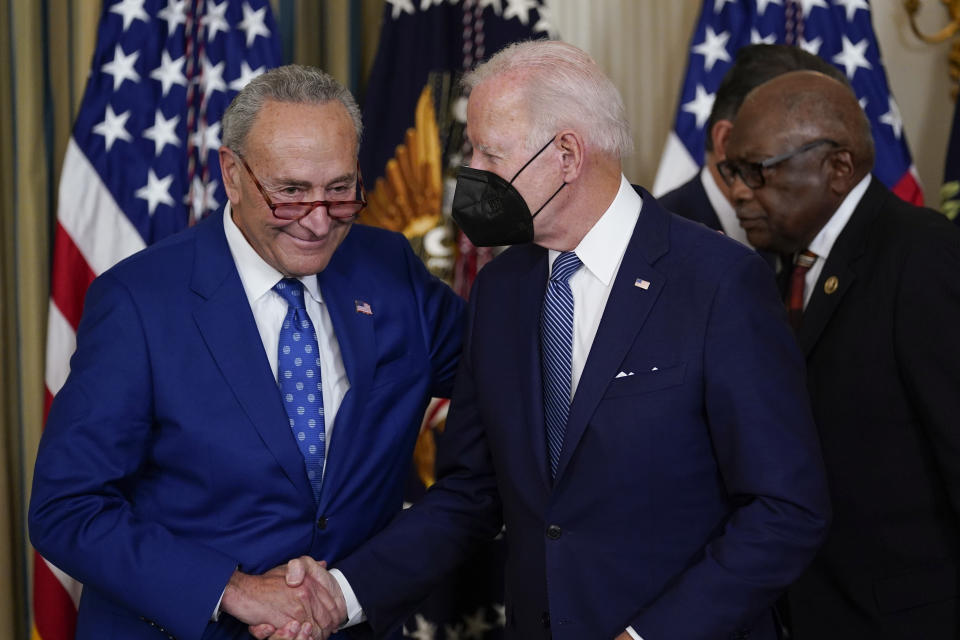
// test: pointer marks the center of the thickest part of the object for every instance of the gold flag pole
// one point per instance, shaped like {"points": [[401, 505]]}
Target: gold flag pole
{"points": [[944, 34]]}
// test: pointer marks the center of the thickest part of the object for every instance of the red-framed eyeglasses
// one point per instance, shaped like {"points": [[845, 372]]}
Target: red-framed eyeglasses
{"points": [[338, 209]]}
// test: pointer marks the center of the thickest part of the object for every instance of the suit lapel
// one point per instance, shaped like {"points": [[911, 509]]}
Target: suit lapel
{"points": [[522, 306], [623, 317], [839, 268], [230, 332], [342, 286]]}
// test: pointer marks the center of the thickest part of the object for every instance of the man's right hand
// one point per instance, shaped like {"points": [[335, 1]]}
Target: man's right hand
{"points": [[292, 610]]}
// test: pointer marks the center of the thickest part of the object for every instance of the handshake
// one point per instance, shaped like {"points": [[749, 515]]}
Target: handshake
{"points": [[296, 601]]}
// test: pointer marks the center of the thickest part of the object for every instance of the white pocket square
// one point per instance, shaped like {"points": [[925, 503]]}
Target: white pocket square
{"points": [[624, 374]]}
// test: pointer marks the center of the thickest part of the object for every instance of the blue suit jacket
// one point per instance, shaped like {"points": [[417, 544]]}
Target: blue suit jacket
{"points": [[167, 459], [690, 491]]}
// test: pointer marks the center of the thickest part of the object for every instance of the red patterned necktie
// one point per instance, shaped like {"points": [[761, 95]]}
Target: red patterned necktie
{"points": [[801, 264]]}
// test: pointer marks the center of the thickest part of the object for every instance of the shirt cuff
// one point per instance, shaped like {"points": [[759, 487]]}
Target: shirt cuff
{"points": [[355, 614], [216, 610], [634, 634]]}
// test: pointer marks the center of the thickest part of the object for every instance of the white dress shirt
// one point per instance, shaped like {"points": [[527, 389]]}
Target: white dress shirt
{"points": [[269, 309], [601, 252], [724, 210], [823, 242]]}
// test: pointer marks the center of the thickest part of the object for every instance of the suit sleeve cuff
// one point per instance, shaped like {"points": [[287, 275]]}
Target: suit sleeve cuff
{"points": [[355, 613], [634, 634]]}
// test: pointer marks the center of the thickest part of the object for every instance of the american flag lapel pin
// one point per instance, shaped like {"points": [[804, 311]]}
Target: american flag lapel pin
{"points": [[363, 307], [641, 283]]}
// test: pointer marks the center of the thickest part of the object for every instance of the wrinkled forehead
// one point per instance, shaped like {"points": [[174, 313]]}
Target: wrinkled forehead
{"points": [[494, 110], [759, 133]]}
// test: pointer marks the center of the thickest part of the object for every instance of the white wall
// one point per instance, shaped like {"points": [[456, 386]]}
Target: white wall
{"points": [[643, 47]]}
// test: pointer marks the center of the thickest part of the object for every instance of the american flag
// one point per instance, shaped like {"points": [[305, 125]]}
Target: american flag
{"points": [[839, 31], [141, 164]]}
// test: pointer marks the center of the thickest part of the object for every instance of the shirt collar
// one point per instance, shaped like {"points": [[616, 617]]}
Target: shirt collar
{"points": [[726, 215], [257, 276], [602, 249], [823, 242]]}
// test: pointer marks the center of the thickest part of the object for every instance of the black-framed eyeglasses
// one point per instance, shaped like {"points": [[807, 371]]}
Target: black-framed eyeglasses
{"points": [[338, 209], [752, 172]]}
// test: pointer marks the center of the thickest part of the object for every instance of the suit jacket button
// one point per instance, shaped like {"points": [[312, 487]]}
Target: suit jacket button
{"points": [[545, 620], [322, 522], [554, 532]]}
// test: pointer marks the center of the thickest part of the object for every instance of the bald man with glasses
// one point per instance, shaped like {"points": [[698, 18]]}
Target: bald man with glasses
{"points": [[875, 297]]}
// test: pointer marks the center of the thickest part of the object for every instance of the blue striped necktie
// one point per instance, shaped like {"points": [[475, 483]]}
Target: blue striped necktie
{"points": [[298, 373], [556, 349]]}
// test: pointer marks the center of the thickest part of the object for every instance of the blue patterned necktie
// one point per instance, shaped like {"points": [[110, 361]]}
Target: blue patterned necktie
{"points": [[556, 352], [298, 373]]}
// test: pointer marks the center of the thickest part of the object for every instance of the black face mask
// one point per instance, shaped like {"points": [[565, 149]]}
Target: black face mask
{"points": [[491, 211]]}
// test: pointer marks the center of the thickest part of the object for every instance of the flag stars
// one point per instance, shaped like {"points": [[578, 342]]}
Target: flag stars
{"points": [[496, 4], [519, 9], [719, 4], [211, 78], [713, 48], [811, 46], [175, 13], [130, 10], [893, 119], [170, 72], [756, 38], [700, 106], [401, 6], [851, 7], [853, 56], [253, 23], [121, 67], [113, 127], [201, 197], [215, 19], [163, 132], [425, 630], [246, 75], [476, 626], [545, 23], [763, 4], [156, 191], [808, 6], [207, 137]]}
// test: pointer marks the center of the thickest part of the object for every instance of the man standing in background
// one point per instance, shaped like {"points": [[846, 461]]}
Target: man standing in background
{"points": [[706, 197], [875, 300]]}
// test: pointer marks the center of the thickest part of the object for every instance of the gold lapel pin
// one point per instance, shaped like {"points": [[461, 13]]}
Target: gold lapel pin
{"points": [[831, 285]]}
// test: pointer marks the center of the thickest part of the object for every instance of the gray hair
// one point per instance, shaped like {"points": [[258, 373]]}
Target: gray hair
{"points": [[563, 88], [291, 83]]}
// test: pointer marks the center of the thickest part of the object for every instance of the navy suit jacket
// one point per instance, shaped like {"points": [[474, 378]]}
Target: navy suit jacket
{"points": [[883, 362], [690, 201], [167, 459], [690, 489]]}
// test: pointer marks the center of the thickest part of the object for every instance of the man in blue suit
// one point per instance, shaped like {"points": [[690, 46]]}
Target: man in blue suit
{"points": [[641, 426], [215, 425]]}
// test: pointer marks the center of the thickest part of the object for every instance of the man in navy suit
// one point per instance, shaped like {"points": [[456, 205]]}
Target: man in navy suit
{"points": [[682, 489], [706, 197], [878, 306], [189, 452]]}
